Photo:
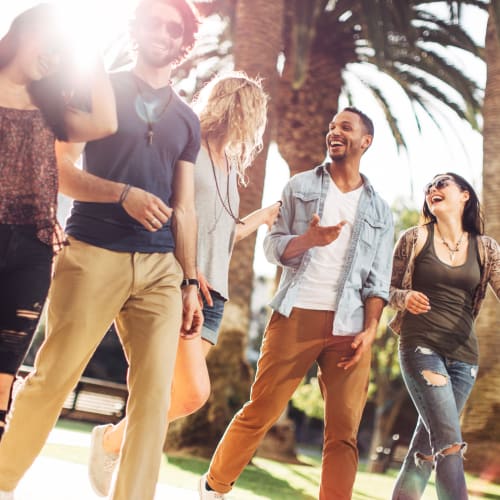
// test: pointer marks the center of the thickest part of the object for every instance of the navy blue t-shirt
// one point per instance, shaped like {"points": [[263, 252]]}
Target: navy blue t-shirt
{"points": [[128, 157]]}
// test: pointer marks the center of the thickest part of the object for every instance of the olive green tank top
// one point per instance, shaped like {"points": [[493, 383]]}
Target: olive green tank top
{"points": [[448, 328]]}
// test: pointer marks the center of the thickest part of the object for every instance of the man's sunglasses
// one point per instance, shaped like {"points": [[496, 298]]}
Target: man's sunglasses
{"points": [[440, 183], [174, 29]]}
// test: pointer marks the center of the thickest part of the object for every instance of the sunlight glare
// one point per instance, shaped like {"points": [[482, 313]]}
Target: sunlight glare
{"points": [[93, 25]]}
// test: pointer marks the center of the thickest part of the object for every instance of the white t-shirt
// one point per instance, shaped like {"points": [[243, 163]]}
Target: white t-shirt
{"points": [[318, 286]]}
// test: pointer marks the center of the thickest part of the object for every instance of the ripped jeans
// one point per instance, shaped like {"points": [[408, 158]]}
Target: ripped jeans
{"points": [[25, 268], [439, 404]]}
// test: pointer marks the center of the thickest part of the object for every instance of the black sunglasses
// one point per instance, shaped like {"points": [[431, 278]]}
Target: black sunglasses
{"points": [[173, 28], [440, 183]]}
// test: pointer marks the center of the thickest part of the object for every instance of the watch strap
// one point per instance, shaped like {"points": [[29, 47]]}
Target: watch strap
{"points": [[190, 281]]}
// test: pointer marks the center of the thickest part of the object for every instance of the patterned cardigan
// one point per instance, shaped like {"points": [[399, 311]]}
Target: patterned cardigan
{"points": [[404, 265]]}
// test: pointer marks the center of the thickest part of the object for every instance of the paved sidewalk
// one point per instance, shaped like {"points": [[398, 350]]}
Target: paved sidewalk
{"points": [[52, 479]]}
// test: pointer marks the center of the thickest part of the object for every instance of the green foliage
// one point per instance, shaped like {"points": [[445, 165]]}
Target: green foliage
{"points": [[307, 398], [405, 216]]}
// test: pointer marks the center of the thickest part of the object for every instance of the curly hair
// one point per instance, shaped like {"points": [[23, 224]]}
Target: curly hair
{"points": [[189, 15], [233, 109], [472, 217]]}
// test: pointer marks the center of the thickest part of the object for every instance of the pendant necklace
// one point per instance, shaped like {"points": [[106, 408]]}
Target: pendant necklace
{"points": [[150, 119], [227, 208], [451, 250]]}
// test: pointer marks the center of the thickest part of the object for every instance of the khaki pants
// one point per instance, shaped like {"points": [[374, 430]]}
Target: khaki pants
{"points": [[91, 287], [289, 348]]}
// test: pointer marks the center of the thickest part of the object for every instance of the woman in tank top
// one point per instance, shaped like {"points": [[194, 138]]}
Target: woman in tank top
{"points": [[36, 107], [441, 270], [232, 110]]}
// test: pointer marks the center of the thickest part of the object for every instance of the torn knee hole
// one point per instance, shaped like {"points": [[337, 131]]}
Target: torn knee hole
{"points": [[420, 458], [28, 314], [434, 379], [454, 449], [5, 334]]}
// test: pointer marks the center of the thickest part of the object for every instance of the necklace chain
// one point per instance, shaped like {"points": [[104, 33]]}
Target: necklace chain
{"points": [[451, 250], [150, 133], [227, 208]]}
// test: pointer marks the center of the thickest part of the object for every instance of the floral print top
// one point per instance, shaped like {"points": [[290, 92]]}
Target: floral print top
{"points": [[28, 173]]}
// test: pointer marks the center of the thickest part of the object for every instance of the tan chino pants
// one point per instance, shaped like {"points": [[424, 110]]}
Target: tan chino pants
{"points": [[91, 288]]}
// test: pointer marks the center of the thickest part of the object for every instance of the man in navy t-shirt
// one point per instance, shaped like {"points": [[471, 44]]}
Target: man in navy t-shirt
{"points": [[132, 242]]}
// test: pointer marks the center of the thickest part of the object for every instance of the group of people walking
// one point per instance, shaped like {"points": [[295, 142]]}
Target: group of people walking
{"points": [[148, 244]]}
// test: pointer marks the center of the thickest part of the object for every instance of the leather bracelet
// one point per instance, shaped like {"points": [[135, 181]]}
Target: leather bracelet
{"points": [[190, 281], [124, 194]]}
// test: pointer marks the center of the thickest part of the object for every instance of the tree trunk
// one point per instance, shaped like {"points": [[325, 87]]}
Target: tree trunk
{"points": [[304, 114], [383, 424], [258, 42], [481, 425]]}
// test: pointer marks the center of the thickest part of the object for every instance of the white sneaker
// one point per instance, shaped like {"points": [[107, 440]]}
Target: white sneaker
{"points": [[101, 463], [208, 494], [6, 495]]}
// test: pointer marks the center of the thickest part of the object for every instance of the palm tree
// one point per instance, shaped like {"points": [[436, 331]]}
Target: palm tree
{"points": [[331, 43], [481, 424]]}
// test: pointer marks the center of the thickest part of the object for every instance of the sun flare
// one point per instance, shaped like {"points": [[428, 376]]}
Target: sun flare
{"points": [[91, 25]]}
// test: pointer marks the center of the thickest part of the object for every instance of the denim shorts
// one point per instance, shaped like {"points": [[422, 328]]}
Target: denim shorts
{"points": [[212, 317]]}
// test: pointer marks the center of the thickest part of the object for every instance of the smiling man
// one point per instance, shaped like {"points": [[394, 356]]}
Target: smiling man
{"points": [[334, 240], [131, 243]]}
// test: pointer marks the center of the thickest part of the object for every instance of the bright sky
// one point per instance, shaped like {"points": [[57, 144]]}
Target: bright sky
{"points": [[394, 175]]}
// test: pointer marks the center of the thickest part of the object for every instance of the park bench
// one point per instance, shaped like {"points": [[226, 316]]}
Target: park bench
{"points": [[92, 400]]}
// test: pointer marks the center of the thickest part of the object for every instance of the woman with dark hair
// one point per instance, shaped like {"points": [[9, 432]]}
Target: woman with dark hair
{"points": [[36, 107], [441, 270]]}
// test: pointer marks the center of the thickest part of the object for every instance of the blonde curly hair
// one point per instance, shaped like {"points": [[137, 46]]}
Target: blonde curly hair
{"points": [[233, 110]]}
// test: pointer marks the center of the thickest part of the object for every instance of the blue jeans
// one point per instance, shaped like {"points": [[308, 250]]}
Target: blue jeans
{"points": [[212, 317], [438, 427]]}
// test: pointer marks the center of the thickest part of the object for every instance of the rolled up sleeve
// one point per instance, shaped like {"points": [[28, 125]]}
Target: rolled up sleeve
{"points": [[280, 235]]}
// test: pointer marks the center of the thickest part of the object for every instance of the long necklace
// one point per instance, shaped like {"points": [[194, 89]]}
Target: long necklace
{"points": [[452, 250], [150, 119], [227, 208]]}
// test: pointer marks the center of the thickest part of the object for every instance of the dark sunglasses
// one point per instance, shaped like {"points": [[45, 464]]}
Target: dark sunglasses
{"points": [[174, 29], [440, 183]]}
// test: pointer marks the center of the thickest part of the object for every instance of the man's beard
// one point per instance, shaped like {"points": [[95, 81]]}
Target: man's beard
{"points": [[159, 62], [337, 157]]}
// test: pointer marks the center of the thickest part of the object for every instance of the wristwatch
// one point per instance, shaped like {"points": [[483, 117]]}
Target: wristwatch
{"points": [[190, 281]]}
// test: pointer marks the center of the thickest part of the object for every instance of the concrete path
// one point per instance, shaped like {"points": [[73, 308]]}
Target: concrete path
{"points": [[52, 479]]}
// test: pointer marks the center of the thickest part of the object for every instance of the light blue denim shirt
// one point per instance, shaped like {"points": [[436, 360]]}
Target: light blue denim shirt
{"points": [[367, 268]]}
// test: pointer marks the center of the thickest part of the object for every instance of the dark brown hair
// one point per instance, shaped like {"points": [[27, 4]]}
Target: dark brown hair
{"points": [[190, 18], [365, 119], [472, 217], [47, 93]]}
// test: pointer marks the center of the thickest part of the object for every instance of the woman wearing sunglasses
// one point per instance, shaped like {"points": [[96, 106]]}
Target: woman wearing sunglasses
{"points": [[441, 270], [36, 107]]}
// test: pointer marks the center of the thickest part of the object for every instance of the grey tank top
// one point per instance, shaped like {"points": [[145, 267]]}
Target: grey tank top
{"points": [[216, 227], [448, 328]]}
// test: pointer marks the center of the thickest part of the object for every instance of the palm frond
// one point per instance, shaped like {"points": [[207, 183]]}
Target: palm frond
{"points": [[306, 13]]}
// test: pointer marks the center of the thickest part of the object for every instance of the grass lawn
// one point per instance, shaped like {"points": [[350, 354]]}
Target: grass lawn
{"points": [[266, 479]]}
